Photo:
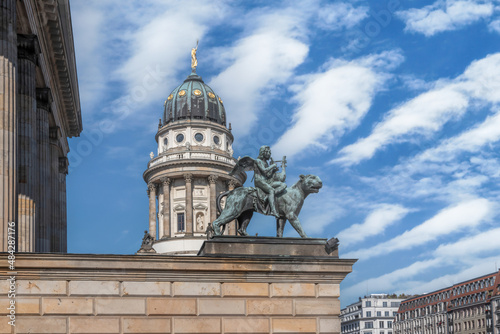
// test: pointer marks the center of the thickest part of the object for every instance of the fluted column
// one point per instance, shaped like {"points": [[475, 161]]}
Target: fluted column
{"points": [[27, 163], [166, 207], [152, 209], [212, 180], [8, 130], [233, 226], [189, 204], [42, 221], [55, 218], [63, 227]]}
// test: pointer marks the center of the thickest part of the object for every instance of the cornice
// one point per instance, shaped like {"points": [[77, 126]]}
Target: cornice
{"points": [[151, 267]]}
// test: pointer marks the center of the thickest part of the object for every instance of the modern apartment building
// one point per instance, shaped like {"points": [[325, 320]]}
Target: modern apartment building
{"points": [[373, 314]]}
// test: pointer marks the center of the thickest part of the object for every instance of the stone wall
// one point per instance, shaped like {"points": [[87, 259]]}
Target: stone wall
{"points": [[162, 294]]}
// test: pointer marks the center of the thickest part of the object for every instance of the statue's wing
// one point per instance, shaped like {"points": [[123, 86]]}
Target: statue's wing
{"points": [[244, 164]]}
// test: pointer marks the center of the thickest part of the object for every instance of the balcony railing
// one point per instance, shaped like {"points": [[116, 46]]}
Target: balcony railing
{"points": [[190, 156]]}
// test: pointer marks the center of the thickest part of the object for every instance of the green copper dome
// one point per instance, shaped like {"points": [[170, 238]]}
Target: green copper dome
{"points": [[193, 99]]}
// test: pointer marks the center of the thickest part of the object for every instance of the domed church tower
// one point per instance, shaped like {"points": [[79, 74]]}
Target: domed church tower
{"points": [[191, 167]]}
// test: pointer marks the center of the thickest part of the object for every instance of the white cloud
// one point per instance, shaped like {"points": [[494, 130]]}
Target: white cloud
{"points": [[335, 101], [159, 50], [453, 219], [469, 141], [495, 26], [423, 115], [259, 62], [487, 166], [471, 246], [375, 223], [445, 15], [429, 111], [340, 15]]}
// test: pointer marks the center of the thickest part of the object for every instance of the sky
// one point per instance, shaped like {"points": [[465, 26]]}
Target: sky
{"points": [[395, 105]]}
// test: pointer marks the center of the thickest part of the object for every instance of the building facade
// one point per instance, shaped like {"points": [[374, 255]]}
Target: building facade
{"points": [[469, 307], [373, 314], [40, 109], [190, 169]]}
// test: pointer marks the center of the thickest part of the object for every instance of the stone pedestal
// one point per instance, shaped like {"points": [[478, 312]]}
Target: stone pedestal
{"points": [[151, 293], [223, 246]]}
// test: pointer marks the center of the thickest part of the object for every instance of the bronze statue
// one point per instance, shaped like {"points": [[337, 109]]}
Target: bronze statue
{"points": [[265, 177], [270, 196]]}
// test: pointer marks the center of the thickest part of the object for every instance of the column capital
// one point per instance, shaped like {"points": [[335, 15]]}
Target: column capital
{"points": [[166, 181], [27, 47], [188, 177], [152, 186], [212, 179], [54, 132], [43, 98]]}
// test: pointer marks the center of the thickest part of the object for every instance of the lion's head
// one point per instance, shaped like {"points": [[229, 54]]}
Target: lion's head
{"points": [[311, 183]]}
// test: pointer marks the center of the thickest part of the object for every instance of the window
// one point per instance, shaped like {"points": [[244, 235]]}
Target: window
{"points": [[386, 313], [384, 304], [198, 137], [180, 222], [368, 314], [379, 314], [381, 324], [179, 138], [369, 324], [368, 303], [389, 324]]}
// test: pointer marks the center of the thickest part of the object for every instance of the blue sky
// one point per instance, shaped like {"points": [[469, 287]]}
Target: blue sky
{"points": [[394, 104]]}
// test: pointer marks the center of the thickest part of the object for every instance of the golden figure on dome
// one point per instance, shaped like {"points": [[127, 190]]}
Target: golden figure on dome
{"points": [[194, 61]]}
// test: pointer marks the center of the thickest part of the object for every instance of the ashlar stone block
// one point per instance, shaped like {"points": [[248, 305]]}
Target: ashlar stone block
{"points": [[67, 305], [328, 290], [120, 305], [329, 325], [41, 287], [294, 325], [245, 289], [146, 325], [278, 306], [197, 325], [293, 290], [317, 306], [171, 306], [87, 325], [221, 306], [94, 288], [49, 325], [246, 325], [196, 289], [146, 288]]}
